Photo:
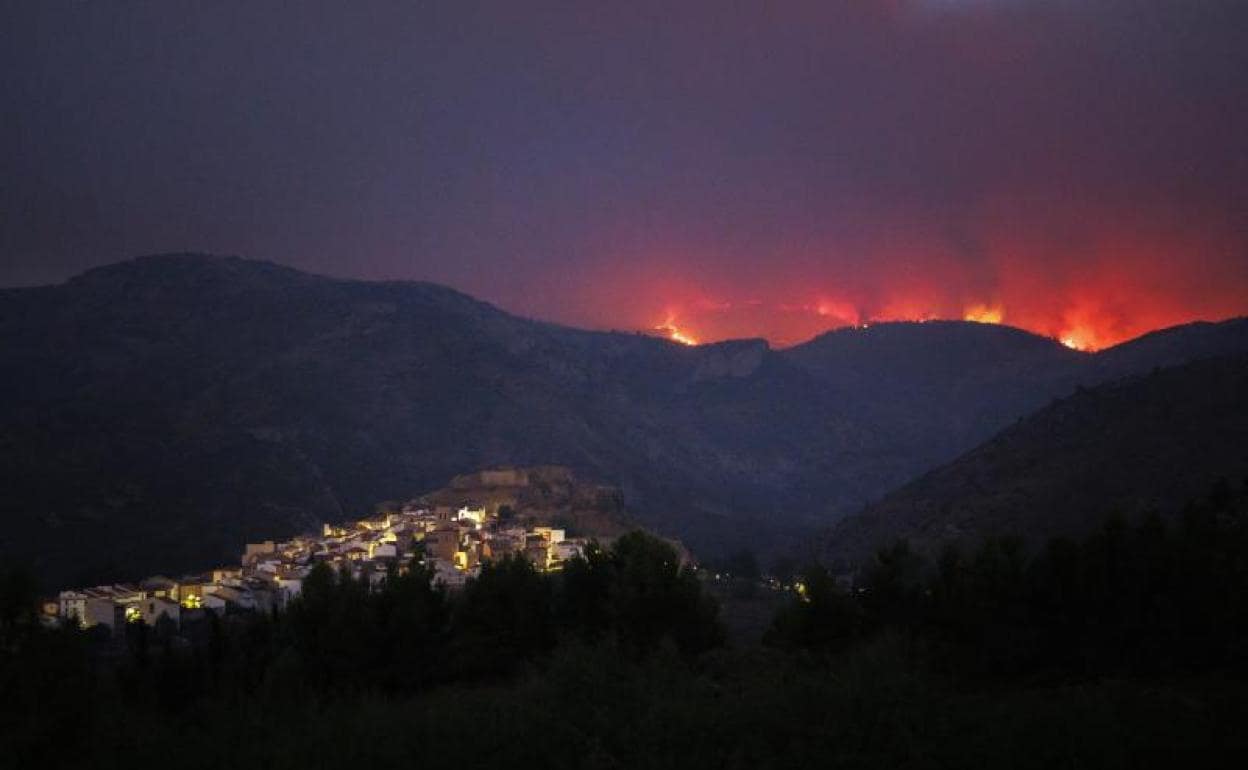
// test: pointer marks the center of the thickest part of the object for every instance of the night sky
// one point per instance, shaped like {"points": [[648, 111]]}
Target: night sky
{"points": [[1078, 168]]}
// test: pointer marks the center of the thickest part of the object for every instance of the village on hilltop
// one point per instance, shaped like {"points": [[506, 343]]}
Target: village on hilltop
{"points": [[452, 541]]}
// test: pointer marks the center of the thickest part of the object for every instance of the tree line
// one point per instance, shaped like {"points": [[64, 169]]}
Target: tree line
{"points": [[1127, 647], [342, 637], [1146, 598]]}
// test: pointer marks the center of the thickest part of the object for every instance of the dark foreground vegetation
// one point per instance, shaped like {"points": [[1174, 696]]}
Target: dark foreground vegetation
{"points": [[1128, 649]]}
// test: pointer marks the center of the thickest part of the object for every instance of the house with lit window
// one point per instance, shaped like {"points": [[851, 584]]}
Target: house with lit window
{"points": [[153, 608]]}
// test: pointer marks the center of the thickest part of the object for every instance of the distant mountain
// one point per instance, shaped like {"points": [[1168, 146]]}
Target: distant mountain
{"points": [[939, 387], [1147, 443], [157, 413], [1168, 347]]}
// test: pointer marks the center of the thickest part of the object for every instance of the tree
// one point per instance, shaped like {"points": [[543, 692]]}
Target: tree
{"points": [[822, 617], [892, 586], [584, 593], [503, 617], [652, 597], [19, 598]]}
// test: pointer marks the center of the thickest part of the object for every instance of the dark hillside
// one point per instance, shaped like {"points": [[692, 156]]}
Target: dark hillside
{"points": [[941, 386], [157, 413], [1146, 443]]}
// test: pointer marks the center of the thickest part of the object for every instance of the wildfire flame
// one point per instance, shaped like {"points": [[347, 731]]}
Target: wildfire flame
{"points": [[671, 331], [984, 314], [1078, 339], [1080, 319]]}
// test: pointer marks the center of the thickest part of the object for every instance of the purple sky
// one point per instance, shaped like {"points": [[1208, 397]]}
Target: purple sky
{"points": [[735, 168]]}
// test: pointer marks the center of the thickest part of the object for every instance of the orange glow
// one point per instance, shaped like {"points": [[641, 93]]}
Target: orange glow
{"points": [[984, 314], [840, 311], [1079, 339], [669, 330], [1089, 278], [1081, 321]]}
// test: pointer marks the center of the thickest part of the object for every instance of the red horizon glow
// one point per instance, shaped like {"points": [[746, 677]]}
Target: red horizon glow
{"points": [[1083, 335], [1089, 288], [1076, 337], [1083, 322]]}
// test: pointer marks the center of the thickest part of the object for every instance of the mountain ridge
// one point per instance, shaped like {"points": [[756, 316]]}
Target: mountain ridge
{"points": [[1144, 443], [166, 408]]}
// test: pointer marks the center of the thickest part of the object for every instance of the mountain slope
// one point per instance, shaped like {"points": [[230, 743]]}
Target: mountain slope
{"points": [[157, 413], [940, 387], [1145, 443], [1168, 347]]}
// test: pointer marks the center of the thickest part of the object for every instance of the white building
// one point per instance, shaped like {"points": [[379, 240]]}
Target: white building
{"points": [[475, 515]]}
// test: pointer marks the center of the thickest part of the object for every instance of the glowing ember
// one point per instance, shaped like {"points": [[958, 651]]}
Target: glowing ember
{"points": [[984, 314]]}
